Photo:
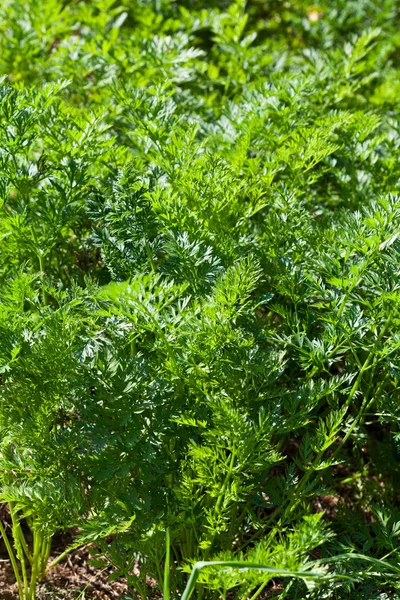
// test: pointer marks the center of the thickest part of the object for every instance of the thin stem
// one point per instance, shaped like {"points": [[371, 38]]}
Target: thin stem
{"points": [[82, 594], [41, 262], [22, 539], [133, 346], [222, 495], [351, 288], [61, 557], [150, 256], [364, 407], [13, 560], [159, 573], [167, 565], [144, 586], [18, 535], [37, 544], [285, 591], [259, 590], [366, 404], [226, 482], [25, 547], [138, 587], [44, 557]]}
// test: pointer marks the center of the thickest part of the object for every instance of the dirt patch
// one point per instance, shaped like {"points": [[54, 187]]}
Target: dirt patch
{"points": [[75, 578]]}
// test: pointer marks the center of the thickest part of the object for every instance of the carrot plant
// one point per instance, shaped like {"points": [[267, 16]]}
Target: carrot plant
{"points": [[199, 300]]}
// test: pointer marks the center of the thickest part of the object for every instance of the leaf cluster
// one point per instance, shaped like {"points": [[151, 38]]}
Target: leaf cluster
{"points": [[200, 293]]}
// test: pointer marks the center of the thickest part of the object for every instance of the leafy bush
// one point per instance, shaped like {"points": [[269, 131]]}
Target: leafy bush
{"points": [[200, 314]]}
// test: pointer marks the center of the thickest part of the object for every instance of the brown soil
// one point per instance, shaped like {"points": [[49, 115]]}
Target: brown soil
{"points": [[75, 578]]}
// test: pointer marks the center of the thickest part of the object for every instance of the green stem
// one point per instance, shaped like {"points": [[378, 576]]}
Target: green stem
{"points": [[150, 256], [285, 591], [138, 587], [226, 482], [167, 565], [159, 573], [364, 407], [233, 528], [18, 535], [44, 557], [25, 548], [41, 261], [259, 590], [13, 560], [61, 557], [351, 288], [144, 575], [365, 404], [222, 496], [22, 539], [37, 544], [82, 594]]}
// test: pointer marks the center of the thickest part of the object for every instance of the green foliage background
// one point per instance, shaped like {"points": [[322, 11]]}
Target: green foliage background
{"points": [[200, 271]]}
